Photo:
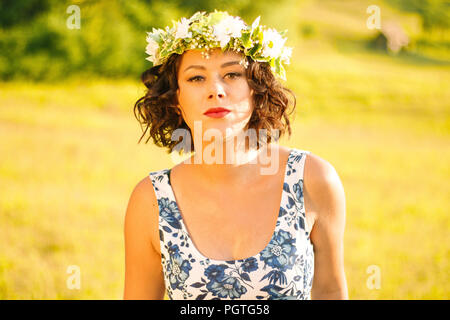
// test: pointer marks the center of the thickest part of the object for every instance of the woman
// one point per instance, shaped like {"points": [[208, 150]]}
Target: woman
{"points": [[243, 218]]}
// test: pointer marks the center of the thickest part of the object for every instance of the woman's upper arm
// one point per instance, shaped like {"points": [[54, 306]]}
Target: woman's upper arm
{"points": [[143, 270], [327, 235]]}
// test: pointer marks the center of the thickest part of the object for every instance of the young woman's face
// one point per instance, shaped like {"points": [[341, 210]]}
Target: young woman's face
{"points": [[217, 82]]}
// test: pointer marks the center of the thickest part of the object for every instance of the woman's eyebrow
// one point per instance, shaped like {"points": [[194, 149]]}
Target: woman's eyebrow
{"points": [[226, 64]]}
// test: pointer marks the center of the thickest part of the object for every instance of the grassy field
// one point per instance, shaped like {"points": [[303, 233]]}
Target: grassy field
{"points": [[70, 159]]}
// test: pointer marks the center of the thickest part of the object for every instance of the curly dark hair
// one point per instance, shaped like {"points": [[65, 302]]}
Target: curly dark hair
{"points": [[157, 109]]}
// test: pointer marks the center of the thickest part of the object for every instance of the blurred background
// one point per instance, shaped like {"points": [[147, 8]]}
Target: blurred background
{"points": [[372, 85]]}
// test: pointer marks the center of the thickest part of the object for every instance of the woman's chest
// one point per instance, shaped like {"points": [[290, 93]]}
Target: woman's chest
{"points": [[234, 221], [234, 225], [231, 226]]}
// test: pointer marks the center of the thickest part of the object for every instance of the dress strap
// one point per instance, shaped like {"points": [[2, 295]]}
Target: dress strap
{"points": [[295, 188], [296, 164], [161, 183]]}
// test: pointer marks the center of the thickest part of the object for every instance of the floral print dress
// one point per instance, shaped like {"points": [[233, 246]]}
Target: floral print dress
{"points": [[282, 270]]}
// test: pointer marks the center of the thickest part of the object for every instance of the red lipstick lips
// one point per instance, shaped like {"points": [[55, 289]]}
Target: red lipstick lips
{"points": [[216, 112]]}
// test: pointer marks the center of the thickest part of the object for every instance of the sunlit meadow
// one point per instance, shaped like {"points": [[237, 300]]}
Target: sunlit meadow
{"points": [[70, 158]]}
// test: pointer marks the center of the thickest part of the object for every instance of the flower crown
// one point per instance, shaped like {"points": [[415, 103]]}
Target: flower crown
{"points": [[219, 29]]}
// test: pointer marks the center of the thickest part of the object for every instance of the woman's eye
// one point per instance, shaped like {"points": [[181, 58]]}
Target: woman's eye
{"points": [[234, 75], [231, 75], [194, 79]]}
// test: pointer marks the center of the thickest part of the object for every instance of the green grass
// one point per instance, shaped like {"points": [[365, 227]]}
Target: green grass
{"points": [[70, 159]]}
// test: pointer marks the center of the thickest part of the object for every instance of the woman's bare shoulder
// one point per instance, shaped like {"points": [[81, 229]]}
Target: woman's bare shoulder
{"points": [[144, 192], [322, 183], [318, 170], [143, 207], [143, 271], [316, 167]]}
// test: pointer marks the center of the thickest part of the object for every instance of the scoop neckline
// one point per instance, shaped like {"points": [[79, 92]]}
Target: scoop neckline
{"points": [[191, 242]]}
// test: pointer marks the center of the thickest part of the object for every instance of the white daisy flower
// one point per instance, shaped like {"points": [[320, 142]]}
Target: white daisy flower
{"points": [[152, 48], [228, 27], [236, 25], [273, 43], [183, 29], [221, 35]]}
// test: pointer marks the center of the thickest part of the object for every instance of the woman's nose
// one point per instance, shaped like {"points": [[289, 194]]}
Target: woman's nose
{"points": [[216, 91]]}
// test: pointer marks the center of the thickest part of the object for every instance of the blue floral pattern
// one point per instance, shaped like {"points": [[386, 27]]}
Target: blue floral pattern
{"points": [[178, 269], [283, 270]]}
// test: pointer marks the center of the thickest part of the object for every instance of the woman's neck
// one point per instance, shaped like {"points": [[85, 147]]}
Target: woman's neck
{"points": [[237, 164]]}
